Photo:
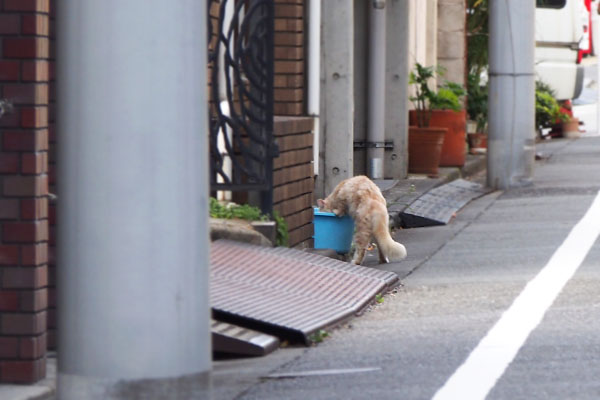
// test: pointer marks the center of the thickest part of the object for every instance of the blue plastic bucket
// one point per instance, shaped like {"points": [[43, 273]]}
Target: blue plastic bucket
{"points": [[333, 232]]}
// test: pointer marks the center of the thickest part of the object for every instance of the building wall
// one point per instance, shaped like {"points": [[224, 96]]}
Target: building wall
{"points": [[423, 22], [438, 36], [24, 76], [452, 48]]}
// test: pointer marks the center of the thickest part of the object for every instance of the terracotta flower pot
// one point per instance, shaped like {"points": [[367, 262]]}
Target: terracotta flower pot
{"points": [[570, 129], [454, 150], [477, 140], [424, 149]]}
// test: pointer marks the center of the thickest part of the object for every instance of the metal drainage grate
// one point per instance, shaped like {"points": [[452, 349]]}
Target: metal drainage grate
{"points": [[287, 292], [439, 205], [232, 339]]}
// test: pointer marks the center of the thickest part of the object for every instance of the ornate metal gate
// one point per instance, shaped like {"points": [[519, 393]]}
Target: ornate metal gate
{"points": [[240, 59]]}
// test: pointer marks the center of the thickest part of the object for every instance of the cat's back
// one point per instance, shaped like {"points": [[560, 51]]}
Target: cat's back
{"points": [[361, 189]]}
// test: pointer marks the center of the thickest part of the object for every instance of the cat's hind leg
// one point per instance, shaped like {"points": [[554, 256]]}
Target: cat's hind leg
{"points": [[382, 258], [361, 241]]}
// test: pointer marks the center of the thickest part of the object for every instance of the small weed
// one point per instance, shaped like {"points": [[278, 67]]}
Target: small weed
{"points": [[283, 235], [231, 210], [318, 336], [379, 298]]}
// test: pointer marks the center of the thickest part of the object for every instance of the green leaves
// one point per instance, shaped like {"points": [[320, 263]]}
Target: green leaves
{"points": [[477, 101], [547, 109], [447, 97], [318, 336], [477, 36], [283, 236], [231, 211]]}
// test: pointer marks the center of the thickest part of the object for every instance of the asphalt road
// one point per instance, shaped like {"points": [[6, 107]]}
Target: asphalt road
{"points": [[458, 282]]}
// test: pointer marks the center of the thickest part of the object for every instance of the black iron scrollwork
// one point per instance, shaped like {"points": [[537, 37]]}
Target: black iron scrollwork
{"points": [[240, 59]]}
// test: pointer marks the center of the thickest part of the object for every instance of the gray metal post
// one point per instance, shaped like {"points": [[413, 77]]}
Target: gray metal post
{"points": [[133, 197], [511, 136], [396, 87], [376, 89], [337, 106]]}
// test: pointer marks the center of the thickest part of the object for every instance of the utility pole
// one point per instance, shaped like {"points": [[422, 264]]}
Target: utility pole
{"points": [[511, 133], [133, 197], [337, 88]]}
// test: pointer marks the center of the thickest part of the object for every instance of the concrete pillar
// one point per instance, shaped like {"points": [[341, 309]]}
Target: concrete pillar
{"points": [[511, 133], [133, 194], [337, 105], [396, 89]]}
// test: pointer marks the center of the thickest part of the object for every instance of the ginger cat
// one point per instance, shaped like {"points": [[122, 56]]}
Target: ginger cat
{"points": [[362, 200]]}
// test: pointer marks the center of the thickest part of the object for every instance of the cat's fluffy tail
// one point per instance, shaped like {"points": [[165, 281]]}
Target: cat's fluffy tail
{"points": [[390, 249]]}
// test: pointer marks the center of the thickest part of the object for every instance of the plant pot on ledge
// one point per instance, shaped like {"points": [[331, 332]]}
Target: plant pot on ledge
{"points": [[426, 137], [424, 149], [453, 152], [570, 128], [477, 142]]}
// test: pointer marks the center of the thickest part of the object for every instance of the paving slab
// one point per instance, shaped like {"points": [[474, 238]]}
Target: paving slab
{"points": [[401, 193], [440, 204]]}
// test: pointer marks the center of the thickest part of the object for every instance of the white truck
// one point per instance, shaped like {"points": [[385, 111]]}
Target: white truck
{"points": [[559, 29]]}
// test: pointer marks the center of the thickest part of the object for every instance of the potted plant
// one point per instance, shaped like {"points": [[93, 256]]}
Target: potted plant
{"points": [[424, 141], [568, 125], [546, 107], [477, 63], [550, 115], [477, 112], [443, 109]]}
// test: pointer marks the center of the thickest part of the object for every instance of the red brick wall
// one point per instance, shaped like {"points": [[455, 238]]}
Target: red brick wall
{"points": [[289, 57], [52, 185], [293, 181], [24, 47], [293, 169]]}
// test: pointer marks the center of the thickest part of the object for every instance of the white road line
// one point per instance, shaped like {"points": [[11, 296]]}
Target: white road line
{"points": [[474, 379]]}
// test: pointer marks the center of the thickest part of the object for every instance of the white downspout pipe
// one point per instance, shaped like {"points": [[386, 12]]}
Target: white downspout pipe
{"points": [[376, 91], [314, 73]]}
